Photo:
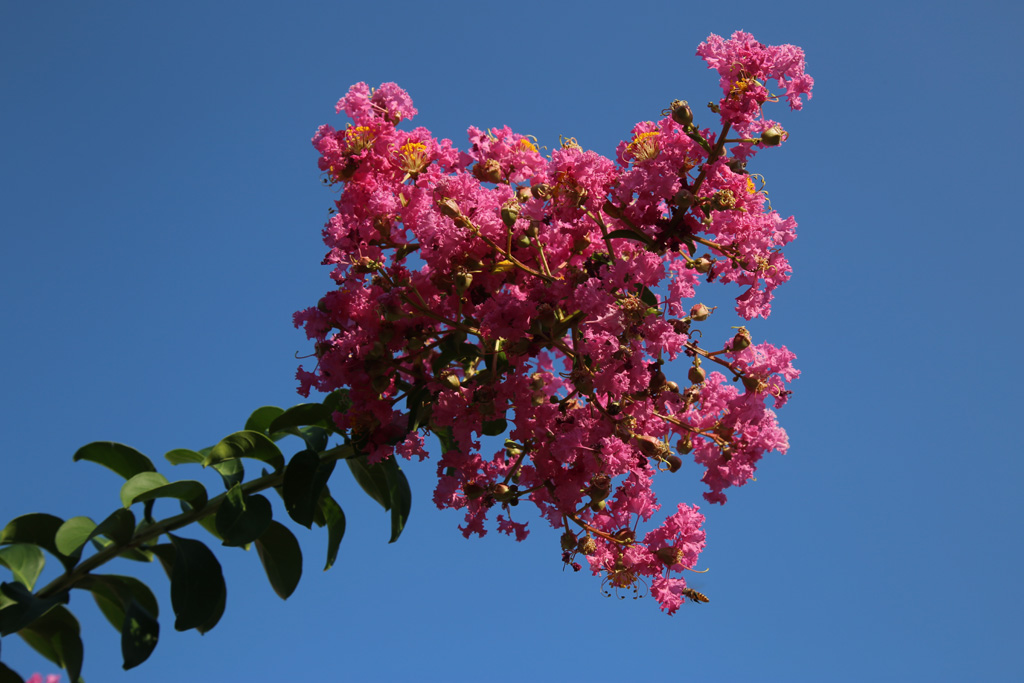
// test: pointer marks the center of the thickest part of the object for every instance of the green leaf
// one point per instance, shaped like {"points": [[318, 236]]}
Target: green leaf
{"points": [[401, 497], [647, 296], [246, 445], [56, 636], [122, 459], [281, 557], [334, 518], [181, 456], [419, 407], [139, 484], [241, 518], [139, 635], [372, 479], [446, 439], [198, 591], [73, 534], [192, 492], [24, 607], [261, 418], [25, 561], [231, 471], [304, 479], [630, 235], [119, 527], [38, 528], [495, 427]]}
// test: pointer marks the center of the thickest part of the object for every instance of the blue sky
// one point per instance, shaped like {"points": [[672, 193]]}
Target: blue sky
{"points": [[161, 221]]}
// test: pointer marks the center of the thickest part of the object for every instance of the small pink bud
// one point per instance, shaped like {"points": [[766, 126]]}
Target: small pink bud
{"points": [[700, 312]]}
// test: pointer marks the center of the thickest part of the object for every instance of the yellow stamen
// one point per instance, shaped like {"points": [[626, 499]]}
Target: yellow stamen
{"points": [[412, 157], [358, 138], [644, 146]]}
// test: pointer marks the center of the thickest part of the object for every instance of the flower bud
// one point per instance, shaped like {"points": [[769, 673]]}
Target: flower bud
{"points": [[448, 207], [502, 493], [700, 312], [523, 194], [685, 445], [672, 386], [532, 230], [737, 166], [568, 541], [598, 505], [451, 380], [510, 213], [674, 463], [702, 265], [541, 191], [697, 374], [681, 113], [683, 199], [773, 136], [741, 340], [463, 281], [488, 171], [652, 447], [753, 384]]}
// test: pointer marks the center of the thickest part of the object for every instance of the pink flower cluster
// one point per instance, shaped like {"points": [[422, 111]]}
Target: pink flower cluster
{"points": [[502, 291]]}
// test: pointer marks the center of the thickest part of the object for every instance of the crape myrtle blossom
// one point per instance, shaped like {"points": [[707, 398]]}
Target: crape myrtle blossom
{"points": [[502, 291]]}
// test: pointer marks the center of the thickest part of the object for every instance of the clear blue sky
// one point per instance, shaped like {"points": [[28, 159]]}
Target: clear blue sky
{"points": [[161, 215]]}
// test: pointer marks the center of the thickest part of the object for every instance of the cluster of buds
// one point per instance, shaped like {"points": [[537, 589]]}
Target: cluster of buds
{"points": [[500, 291]]}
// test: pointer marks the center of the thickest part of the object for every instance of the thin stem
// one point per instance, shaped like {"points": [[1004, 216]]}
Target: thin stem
{"points": [[68, 580]]}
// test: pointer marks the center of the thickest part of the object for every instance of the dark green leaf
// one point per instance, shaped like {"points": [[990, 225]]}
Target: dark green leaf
{"points": [[315, 437], [25, 607], [302, 415], [122, 459], [304, 479], [134, 554], [242, 519], [246, 445], [334, 518], [261, 418], [38, 528], [197, 585], [630, 235], [418, 405], [181, 456], [192, 492], [139, 484], [25, 561], [647, 296], [281, 557], [138, 635], [401, 497], [56, 636], [113, 594], [372, 479], [447, 440], [495, 427], [9, 675]]}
